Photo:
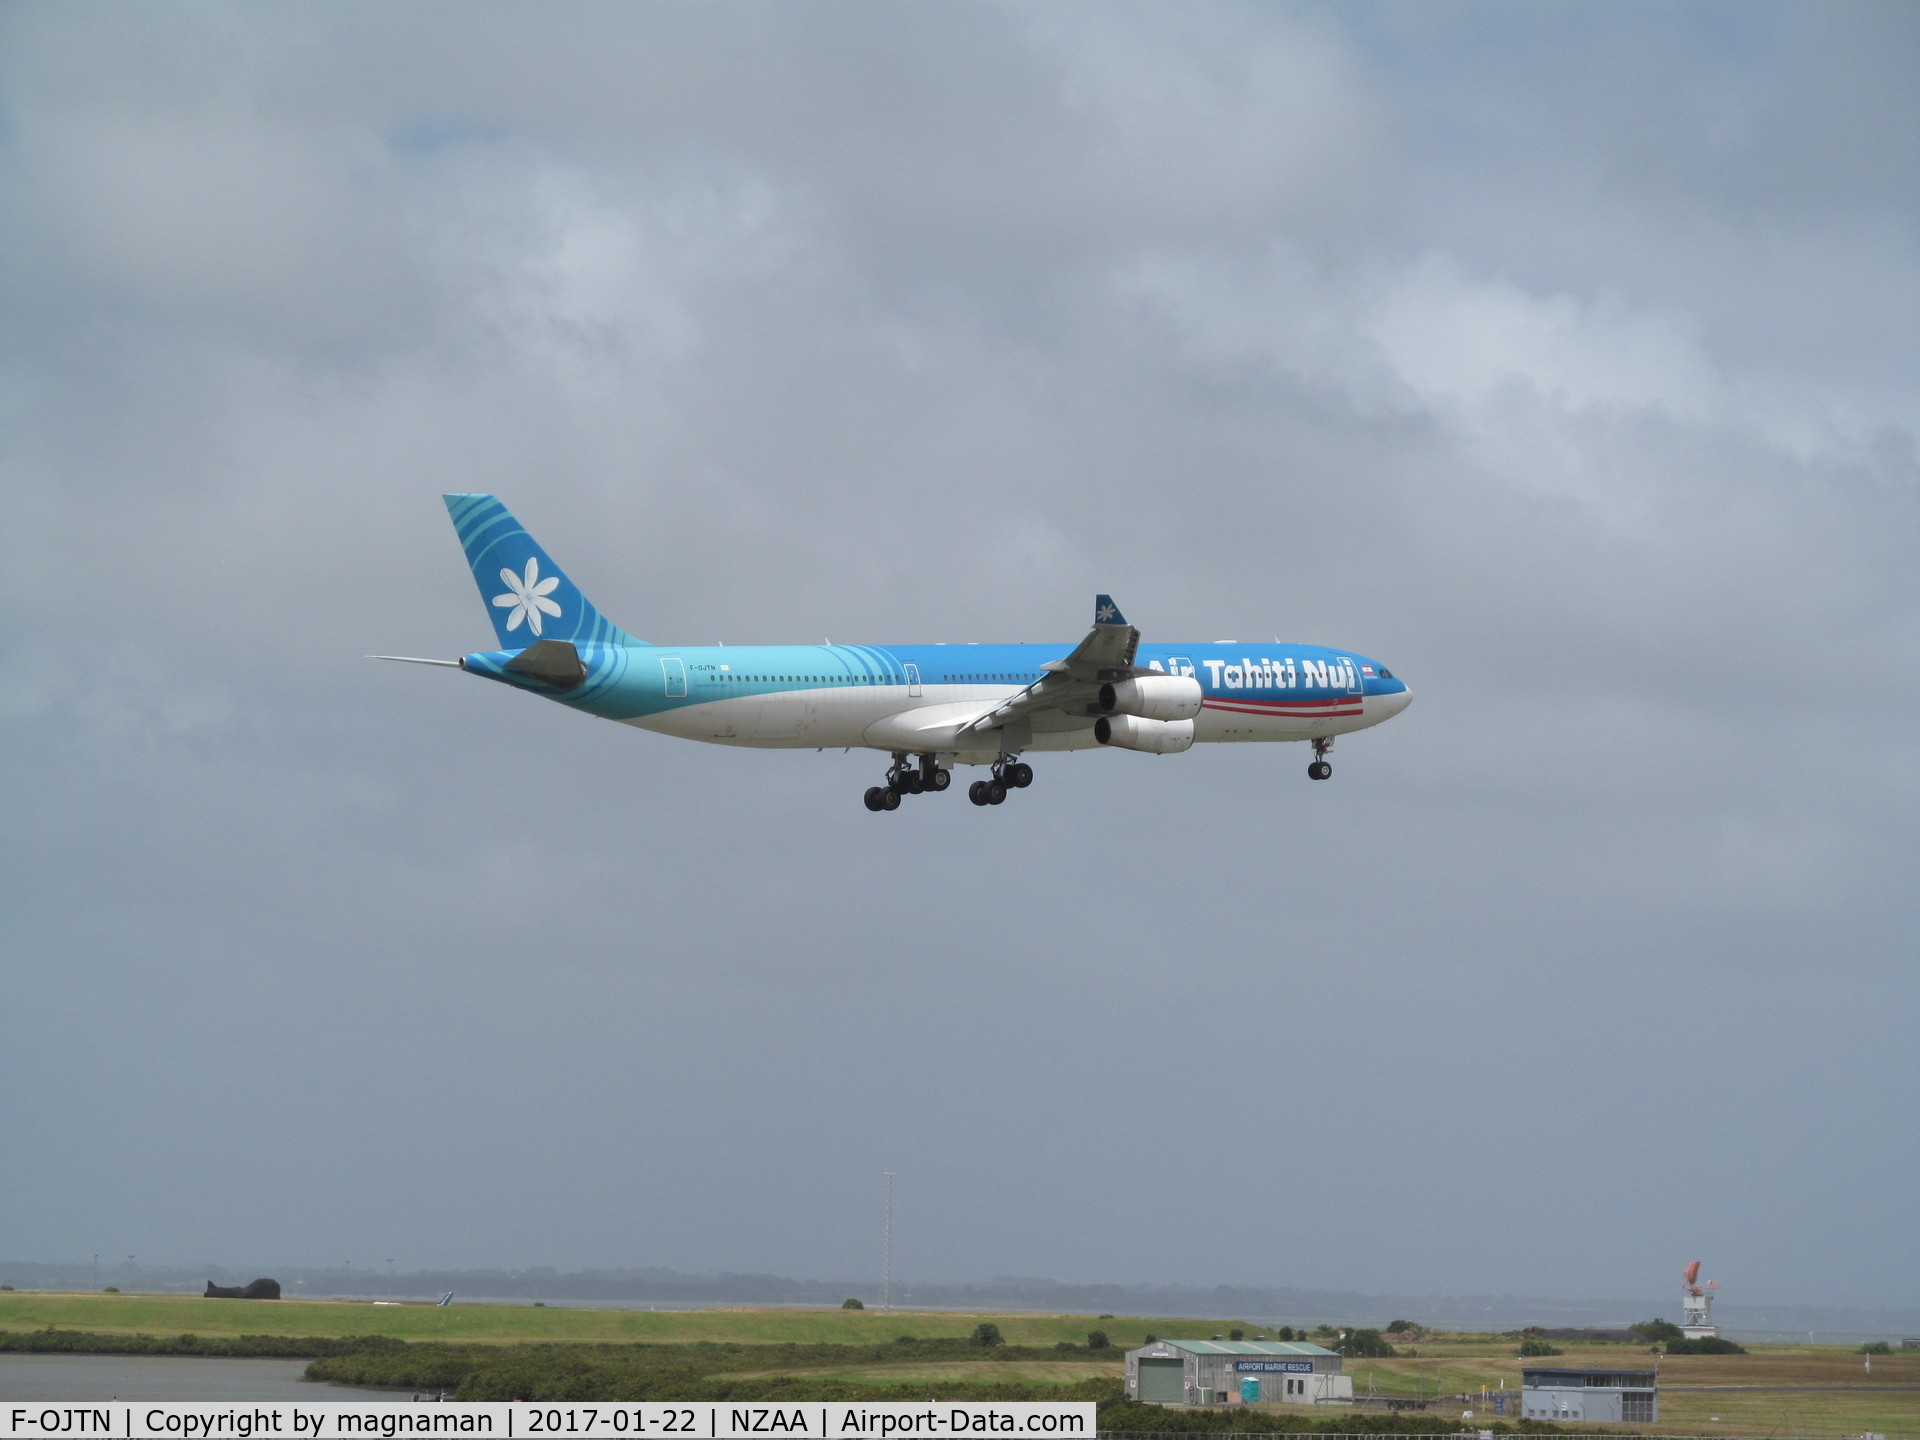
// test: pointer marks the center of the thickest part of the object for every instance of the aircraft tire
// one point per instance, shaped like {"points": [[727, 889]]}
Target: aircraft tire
{"points": [[910, 783], [1319, 770], [977, 792], [941, 780], [889, 799], [1020, 776], [874, 802], [996, 792]]}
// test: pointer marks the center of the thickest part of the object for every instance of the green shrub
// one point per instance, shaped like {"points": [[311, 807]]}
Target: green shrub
{"points": [[1097, 1340], [1532, 1348], [111, 1290], [1656, 1331], [851, 1304], [1876, 1347], [986, 1333], [1706, 1345]]}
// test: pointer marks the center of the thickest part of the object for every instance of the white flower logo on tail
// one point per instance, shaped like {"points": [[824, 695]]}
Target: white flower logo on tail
{"points": [[527, 595]]}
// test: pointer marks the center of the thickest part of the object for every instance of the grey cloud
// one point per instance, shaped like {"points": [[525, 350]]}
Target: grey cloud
{"points": [[1560, 358]]}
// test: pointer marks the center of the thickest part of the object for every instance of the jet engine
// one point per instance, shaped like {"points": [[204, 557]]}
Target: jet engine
{"points": [[1152, 697], [1156, 737]]}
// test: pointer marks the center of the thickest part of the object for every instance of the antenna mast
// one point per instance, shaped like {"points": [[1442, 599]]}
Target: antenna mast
{"points": [[1696, 1305], [886, 1254]]}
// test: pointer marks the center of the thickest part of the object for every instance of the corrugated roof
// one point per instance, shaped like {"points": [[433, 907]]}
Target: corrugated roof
{"points": [[1249, 1347]]}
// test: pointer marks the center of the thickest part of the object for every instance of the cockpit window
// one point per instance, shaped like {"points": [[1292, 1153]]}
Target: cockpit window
{"points": [[1385, 674]]}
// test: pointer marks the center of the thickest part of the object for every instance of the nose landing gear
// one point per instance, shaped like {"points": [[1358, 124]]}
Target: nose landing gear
{"points": [[1320, 769]]}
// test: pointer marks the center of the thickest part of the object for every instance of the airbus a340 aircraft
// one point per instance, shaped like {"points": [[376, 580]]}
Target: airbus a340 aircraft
{"points": [[928, 706]]}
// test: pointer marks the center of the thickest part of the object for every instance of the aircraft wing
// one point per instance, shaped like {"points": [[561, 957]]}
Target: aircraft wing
{"points": [[1072, 686]]}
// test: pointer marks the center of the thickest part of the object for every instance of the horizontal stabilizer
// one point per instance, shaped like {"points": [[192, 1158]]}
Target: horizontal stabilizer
{"points": [[551, 662], [415, 660]]}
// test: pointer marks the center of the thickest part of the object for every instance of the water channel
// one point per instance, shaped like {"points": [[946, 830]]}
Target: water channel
{"points": [[166, 1377]]}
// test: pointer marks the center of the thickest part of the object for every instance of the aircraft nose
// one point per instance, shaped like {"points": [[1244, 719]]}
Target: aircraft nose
{"points": [[1396, 703]]}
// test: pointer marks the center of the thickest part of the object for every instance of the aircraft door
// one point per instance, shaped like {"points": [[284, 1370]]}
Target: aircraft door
{"points": [[1352, 675], [913, 678], [673, 674]]}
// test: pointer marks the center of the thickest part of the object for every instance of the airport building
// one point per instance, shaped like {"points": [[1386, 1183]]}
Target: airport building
{"points": [[1236, 1372], [1589, 1396]]}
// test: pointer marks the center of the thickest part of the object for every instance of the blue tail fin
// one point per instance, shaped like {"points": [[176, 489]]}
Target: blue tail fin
{"points": [[526, 593]]}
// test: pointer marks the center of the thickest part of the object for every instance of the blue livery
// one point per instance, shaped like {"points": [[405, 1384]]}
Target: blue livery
{"points": [[929, 707]]}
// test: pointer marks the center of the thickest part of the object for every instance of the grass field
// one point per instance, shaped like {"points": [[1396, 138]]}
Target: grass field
{"points": [[1467, 1366], [509, 1324], [1709, 1395], [1694, 1389], [1029, 1372]]}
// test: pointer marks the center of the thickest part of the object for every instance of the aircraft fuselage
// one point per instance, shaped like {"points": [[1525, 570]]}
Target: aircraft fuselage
{"points": [[895, 697]]}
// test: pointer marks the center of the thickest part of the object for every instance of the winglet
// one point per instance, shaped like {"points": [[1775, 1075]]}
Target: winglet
{"points": [[1105, 612]]}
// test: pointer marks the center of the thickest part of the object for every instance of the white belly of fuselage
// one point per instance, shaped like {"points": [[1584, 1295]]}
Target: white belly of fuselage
{"points": [[887, 718]]}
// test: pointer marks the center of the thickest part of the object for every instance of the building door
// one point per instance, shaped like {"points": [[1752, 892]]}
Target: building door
{"points": [[673, 671], [913, 679], [1161, 1381]]}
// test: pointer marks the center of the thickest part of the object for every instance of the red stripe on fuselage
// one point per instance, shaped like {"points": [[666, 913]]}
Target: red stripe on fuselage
{"points": [[1281, 709], [1237, 700]]}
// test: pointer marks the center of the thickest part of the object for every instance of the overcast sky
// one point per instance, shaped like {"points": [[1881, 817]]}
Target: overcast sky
{"points": [[1563, 357]]}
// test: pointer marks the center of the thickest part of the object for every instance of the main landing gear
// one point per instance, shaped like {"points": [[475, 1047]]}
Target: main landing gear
{"points": [[1320, 769], [1008, 774], [911, 776], [905, 777]]}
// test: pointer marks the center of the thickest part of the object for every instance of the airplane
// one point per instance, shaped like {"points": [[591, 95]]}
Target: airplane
{"points": [[929, 707]]}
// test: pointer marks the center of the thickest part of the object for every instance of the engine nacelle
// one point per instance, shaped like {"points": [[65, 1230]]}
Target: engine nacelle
{"points": [[1156, 737], [1153, 697]]}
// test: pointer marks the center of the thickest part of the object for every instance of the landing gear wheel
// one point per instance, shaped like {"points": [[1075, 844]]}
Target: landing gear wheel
{"points": [[874, 800], [1019, 775], [889, 799], [977, 792], [939, 780], [1320, 769], [995, 792], [909, 783]]}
